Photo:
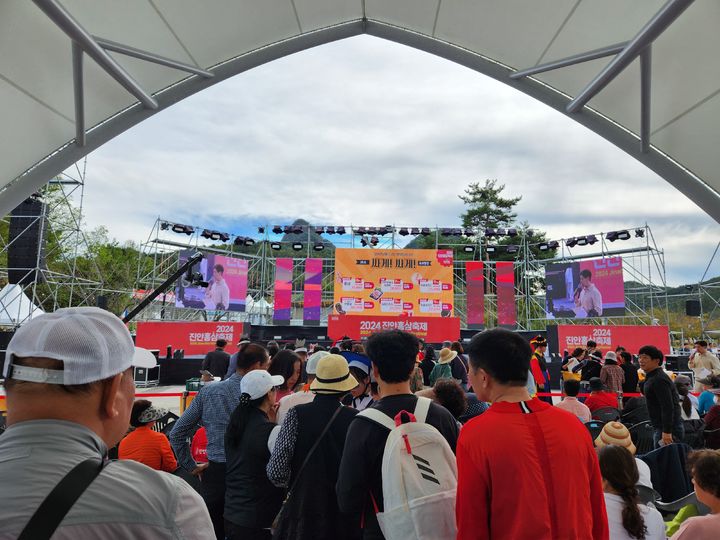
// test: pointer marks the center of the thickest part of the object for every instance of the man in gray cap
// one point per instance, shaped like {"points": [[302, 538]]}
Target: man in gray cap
{"points": [[70, 390]]}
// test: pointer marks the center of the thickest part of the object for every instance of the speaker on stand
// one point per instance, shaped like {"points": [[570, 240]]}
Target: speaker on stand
{"points": [[26, 242], [692, 308]]}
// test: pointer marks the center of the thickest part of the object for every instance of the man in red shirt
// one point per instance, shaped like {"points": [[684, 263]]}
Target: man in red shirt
{"points": [[599, 398], [526, 470]]}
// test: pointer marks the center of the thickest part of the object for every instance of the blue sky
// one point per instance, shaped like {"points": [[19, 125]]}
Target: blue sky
{"points": [[369, 132]]}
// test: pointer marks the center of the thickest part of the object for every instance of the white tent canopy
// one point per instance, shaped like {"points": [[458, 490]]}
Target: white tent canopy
{"points": [[15, 307], [644, 75]]}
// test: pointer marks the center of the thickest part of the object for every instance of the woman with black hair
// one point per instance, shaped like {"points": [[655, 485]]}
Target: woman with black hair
{"points": [[145, 445], [251, 501], [627, 518], [427, 364], [287, 364]]}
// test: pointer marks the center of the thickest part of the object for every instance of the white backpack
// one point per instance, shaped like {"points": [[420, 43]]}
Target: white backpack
{"points": [[419, 479]]}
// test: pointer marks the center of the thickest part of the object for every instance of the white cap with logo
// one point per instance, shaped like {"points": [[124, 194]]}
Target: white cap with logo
{"points": [[259, 382], [92, 343]]}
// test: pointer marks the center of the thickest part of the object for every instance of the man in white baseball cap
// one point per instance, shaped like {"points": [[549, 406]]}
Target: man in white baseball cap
{"points": [[70, 390]]}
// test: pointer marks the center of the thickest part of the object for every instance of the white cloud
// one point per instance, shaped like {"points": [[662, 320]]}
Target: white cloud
{"points": [[370, 132]]}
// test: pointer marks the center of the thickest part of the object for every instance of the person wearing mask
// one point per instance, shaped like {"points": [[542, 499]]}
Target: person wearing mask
{"points": [[703, 363], [599, 397], [70, 391], [570, 402], [627, 518], [611, 374], [359, 397], [251, 501], [662, 398], [427, 364], [306, 459], [521, 447], [288, 365], [145, 445], [392, 353], [704, 468], [211, 409], [217, 361]]}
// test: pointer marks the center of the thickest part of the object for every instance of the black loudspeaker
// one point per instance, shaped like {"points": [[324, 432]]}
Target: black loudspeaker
{"points": [[26, 242], [692, 308], [102, 302]]}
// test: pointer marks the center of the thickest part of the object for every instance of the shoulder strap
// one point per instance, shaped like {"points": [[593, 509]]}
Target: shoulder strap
{"points": [[61, 499], [421, 409], [314, 447], [378, 417]]}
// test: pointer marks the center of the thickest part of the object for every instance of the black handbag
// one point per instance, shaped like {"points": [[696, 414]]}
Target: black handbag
{"points": [[61, 499], [281, 514]]}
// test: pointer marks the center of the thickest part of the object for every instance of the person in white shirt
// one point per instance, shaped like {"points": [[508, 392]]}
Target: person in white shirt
{"points": [[588, 297], [615, 433], [627, 518], [217, 294], [360, 397], [703, 363]]}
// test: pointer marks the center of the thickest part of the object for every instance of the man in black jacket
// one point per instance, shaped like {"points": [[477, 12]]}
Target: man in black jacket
{"points": [[217, 361], [662, 398], [393, 354]]}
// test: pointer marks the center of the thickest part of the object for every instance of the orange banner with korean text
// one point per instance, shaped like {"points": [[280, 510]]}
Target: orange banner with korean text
{"points": [[394, 282]]}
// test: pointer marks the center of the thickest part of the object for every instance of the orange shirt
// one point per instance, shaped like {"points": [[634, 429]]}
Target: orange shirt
{"points": [[148, 447]]}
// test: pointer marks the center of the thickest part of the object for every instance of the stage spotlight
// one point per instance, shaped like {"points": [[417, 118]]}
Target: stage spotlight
{"points": [[276, 246], [361, 230], [277, 229], [501, 232], [457, 232], [490, 249], [591, 239], [611, 236], [374, 240], [511, 232], [297, 229], [512, 249], [319, 230], [330, 230], [340, 230], [581, 241], [544, 246], [468, 232], [363, 242], [249, 242], [414, 231], [261, 230], [625, 235], [489, 233], [553, 244], [469, 249], [529, 232], [287, 229], [403, 231], [297, 246], [372, 230], [571, 242], [164, 225], [183, 229], [318, 246], [639, 233], [445, 232], [207, 233], [239, 241], [425, 231], [224, 237]]}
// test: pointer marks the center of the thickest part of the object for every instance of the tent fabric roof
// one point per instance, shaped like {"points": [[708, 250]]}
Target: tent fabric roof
{"points": [[15, 307], [221, 38]]}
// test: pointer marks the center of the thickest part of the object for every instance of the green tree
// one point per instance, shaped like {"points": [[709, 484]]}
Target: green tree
{"points": [[487, 207]]}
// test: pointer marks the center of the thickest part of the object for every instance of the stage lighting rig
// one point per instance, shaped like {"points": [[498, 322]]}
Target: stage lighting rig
{"points": [[639, 233], [183, 229], [287, 229], [403, 231], [297, 229], [425, 231], [374, 240], [297, 246], [261, 230], [318, 246], [249, 242], [591, 239], [164, 225], [511, 232], [469, 232], [581, 241], [415, 231], [490, 249], [277, 229], [361, 231], [489, 233], [330, 230], [512, 249], [571, 242], [340, 230], [276, 246], [319, 230], [469, 249]]}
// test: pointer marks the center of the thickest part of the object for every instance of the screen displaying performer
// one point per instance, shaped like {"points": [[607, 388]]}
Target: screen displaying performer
{"points": [[585, 289], [226, 279]]}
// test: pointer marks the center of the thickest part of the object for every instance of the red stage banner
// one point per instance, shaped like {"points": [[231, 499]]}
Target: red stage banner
{"points": [[475, 294], [431, 329], [610, 337], [195, 338], [505, 278], [283, 291]]}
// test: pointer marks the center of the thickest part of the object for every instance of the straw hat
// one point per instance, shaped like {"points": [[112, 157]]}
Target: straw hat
{"points": [[615, 433], [446, 356], [333, 376]]}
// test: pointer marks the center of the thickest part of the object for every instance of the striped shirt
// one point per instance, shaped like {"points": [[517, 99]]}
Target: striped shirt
{"points": [[211, 409]]}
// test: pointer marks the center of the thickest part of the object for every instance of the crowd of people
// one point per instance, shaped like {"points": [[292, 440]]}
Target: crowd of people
{"points": [[390, 438]]}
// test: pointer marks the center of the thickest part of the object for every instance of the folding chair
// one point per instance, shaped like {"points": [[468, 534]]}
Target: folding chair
{"points": [[642, 437], [606, 414], [594, 427]]}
